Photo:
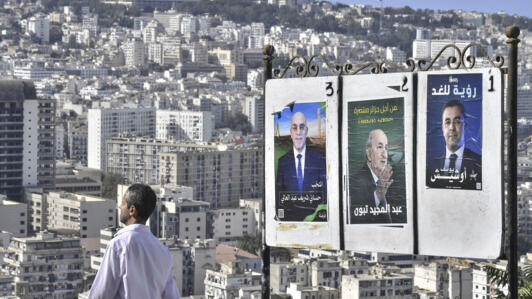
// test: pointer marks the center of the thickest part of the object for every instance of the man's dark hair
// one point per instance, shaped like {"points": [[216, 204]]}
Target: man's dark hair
{"points": [[454, 103], [143, 198]]}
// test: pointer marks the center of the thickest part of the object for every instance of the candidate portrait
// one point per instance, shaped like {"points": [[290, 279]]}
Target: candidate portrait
{"points": [[301, 178], [372, 193], [459, 167]]}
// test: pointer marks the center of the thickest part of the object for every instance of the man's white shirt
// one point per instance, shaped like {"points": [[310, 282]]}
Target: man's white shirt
{"points": [[135, 265]]}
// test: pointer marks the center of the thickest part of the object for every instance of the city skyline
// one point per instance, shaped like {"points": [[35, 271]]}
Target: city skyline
{"points": [[522, 8]]}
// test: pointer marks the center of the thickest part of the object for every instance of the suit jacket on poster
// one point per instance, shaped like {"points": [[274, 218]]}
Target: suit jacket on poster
{"points": [[314, 182], [471, 167], [362, 193]]}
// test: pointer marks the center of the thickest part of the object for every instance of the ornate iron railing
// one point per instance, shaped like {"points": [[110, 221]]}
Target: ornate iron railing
{"points": [[304, 67]]}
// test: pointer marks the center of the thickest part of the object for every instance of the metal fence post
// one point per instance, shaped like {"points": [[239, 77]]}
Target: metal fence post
{"points": [[268, 51], [511, 115]]}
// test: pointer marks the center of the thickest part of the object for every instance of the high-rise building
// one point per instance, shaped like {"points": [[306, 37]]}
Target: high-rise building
{"points": [[51, 267], [137, 158], [40, 26], [220, 177], [134, 52], [27, 139], [254, 110], [104, 124], [184, 125]]}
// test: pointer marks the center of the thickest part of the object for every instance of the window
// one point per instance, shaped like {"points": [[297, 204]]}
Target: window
{"points": [[22, 214], [198, 219], [21, 231], [84, 219], [198, 228], [84, 211], [84, 228], [22, 222], [186, 219], [110, 218], [186, 229]]}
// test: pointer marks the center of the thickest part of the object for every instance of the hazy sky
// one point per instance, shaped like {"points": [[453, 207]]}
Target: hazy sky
{"points": [[520, 7]]}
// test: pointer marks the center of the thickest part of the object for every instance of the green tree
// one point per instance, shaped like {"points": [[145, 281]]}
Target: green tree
{"points": [[110, 183], [250, 243], [499, 277], [236, 122]]}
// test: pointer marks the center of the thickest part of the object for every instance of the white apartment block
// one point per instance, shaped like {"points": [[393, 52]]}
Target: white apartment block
{"points": [[297, 291], [387, 285], [254, 110], [229, 280], [90, 22], [325, 273], [395, 55], [134, 52], [184, 125], [282, 274], [13, 217], [52, 267], [482, 288], [37, 209], [108, 123], [192, 260], [188, 25], [445, 279], [40, 26], [229, 225], [255, 204], [83, 213], [220, 177], [137, 158]]}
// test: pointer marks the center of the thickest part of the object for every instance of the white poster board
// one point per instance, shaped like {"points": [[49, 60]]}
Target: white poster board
{"points": [[377, 161], [459, 163], [301, 183]]}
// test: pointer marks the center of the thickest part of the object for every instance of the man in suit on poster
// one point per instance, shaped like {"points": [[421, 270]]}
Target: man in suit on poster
{"points": [[369, 187], [300, 172], [460, 167]]}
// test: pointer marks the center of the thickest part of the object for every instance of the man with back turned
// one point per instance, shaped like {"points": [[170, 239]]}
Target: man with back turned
{"points": [[135, 264]]}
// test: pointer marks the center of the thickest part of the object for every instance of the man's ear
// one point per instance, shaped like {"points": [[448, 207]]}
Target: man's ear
{"points": [[368, 151], [132, 211]]}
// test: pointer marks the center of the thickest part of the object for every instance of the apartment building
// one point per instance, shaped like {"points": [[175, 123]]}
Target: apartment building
{"points": [[282, 274], [192, 259], [383, 285], [13, 217], [229, 279], [184, 125], [104, 124], [51, 266], [82, 213], [27, 139], [229, 225], [137, 158], [220, 177]]}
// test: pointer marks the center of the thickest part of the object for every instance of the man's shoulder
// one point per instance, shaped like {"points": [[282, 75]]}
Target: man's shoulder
{"points": [[468, 153], [287, 156], [313, 153]]}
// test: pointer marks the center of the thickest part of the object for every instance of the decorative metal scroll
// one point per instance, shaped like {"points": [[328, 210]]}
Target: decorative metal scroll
{"points": [[459, 59]]}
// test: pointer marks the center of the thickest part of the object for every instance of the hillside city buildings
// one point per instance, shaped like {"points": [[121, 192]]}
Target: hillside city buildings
{"points": [[91, 103]]}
